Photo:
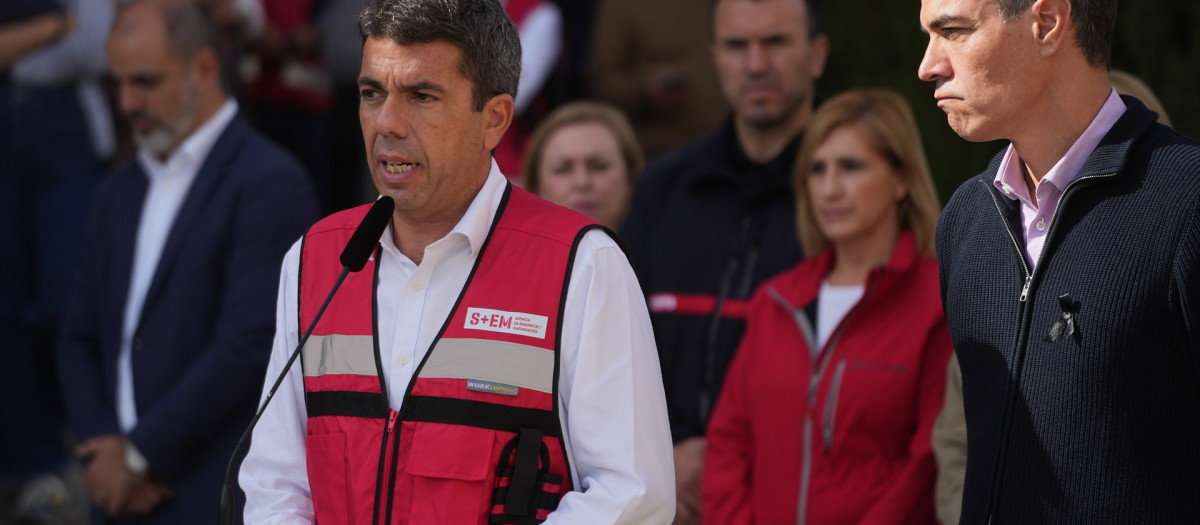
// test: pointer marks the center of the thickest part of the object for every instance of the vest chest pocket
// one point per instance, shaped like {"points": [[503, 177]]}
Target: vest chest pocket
{"points": [[450, 466]]}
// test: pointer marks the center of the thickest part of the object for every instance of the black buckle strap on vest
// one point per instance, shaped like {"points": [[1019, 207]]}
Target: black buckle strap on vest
{"points": [[525, 470], [525, 464], [505, 470], [478, 414], [345, 403], [1065, 325], [542, 500]]}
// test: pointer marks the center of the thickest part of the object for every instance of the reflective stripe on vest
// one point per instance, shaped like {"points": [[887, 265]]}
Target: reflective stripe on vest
{"points": [[478, 438]]}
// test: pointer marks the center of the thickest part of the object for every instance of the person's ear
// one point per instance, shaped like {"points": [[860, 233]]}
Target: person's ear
{"points": [[206, 65], [901, 188], [497, 116], [819, 52], [1050, 21]]}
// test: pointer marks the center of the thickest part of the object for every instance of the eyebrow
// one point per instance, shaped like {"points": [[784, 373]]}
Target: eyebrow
{"points": [[370, 82], [145, 78], [945, 20], [738, 39], [423, 85]]}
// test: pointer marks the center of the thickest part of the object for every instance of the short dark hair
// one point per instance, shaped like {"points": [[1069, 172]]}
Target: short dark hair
{"points": [[1095, 22], [491, 47], [812, 13]]}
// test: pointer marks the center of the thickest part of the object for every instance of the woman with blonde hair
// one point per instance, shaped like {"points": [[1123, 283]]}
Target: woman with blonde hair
{"points": [[827, 409], [1127, 84], [584, 156]]}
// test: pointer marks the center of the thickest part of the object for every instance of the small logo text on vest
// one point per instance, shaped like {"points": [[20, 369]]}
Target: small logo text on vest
{"points": [[515, 323], [489, 387]]}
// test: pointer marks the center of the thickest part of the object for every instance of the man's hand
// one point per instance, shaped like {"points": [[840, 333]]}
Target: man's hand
{"points": [[105, 475], [689, 463], [146, 494], [112, 486]]}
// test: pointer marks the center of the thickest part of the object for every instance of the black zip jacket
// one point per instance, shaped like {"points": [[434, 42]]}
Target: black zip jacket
{"points": [[706, 227], [1081, 379]]}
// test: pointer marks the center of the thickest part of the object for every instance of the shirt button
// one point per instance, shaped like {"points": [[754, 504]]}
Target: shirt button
{"points": [[416, 286], [403, 360], [1041, 225]]}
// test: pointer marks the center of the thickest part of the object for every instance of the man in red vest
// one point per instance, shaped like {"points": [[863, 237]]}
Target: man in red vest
{"points": [[494, 362]]}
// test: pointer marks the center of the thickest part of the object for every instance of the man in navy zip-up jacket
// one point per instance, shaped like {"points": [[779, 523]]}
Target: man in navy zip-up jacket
{"points": [[1070, 272], [714, 218]]}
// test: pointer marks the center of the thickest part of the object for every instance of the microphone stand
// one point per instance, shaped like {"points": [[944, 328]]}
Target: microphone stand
{"points": [[362, 243], [225, 512]]}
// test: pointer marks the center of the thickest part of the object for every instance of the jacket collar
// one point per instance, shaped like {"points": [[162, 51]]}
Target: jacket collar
{"points": [[1110, 155], [208, 180], [723, 161], [1108, 159], [807, 285]]}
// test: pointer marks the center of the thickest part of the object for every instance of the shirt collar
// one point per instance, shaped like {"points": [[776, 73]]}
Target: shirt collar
{"points": [[477, 222], [196, 146], [1010, 177]]}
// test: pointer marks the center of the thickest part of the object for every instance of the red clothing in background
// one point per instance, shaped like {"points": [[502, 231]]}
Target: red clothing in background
{"points": [[847, 437]]}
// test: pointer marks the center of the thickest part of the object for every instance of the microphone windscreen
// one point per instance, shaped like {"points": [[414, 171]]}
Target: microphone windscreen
{"points": [[362, 243]]}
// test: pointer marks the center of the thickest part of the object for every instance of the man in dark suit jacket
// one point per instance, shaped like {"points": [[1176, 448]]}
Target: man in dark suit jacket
{"points": [[168, 332]]}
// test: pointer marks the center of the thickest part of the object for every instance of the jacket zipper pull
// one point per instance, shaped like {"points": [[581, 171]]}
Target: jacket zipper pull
{"points": [[1025, 289], [392, 420]]}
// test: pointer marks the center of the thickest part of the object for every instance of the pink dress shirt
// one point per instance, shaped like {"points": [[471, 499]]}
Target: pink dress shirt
{"points": [[1010, 178]]}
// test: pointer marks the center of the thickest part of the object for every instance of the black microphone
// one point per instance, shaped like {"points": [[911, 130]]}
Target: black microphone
{"points": [[362, 243], [354, 257]]}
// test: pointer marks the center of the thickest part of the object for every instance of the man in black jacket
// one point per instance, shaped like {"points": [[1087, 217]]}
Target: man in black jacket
{"points": [[1070, 272], [716, 217]]}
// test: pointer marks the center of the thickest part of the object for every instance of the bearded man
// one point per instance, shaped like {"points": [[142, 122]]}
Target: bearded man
{"points": [[168, 331]]}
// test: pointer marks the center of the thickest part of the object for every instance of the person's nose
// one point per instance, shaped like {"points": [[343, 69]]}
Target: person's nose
{"points": [[392, 120], [829, 186], [933, 65], [129, 100], [756, 58], [581, 179]]}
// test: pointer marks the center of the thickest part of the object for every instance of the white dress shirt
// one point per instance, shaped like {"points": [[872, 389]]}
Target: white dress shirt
{"points": [[169, 184], [612, 406]]}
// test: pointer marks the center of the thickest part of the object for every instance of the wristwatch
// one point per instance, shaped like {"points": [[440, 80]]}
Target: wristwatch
{"points": [[134, 460]]}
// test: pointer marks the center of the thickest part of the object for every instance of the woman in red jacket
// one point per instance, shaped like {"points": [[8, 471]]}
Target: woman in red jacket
{"points": [[827, 409]]}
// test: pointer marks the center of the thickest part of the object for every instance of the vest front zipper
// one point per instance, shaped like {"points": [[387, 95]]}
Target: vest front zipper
{"points": [[388, 432], [391, 485]]}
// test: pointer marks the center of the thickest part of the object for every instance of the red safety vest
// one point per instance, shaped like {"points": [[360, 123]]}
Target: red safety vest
{"points": [[478, 438]]}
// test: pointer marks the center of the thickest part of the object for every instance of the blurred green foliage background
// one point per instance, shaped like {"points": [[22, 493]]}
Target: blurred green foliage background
{"points": [[879, 44]]}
